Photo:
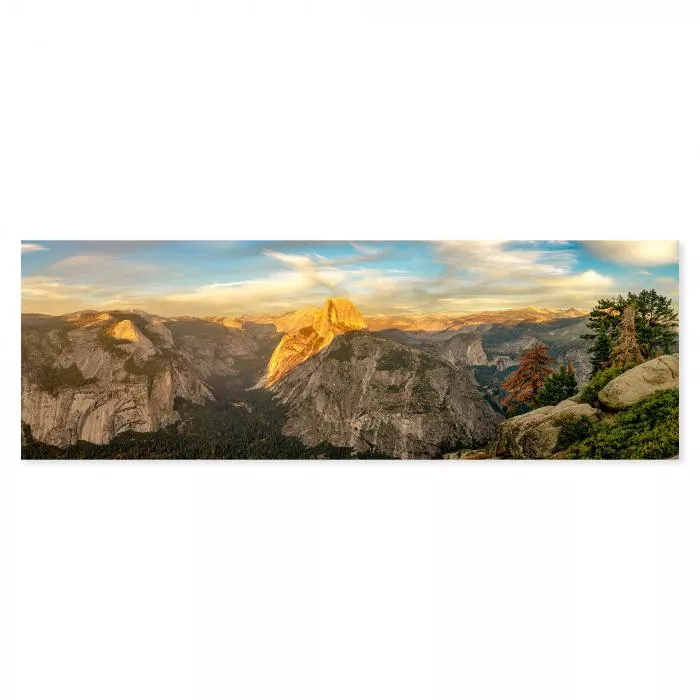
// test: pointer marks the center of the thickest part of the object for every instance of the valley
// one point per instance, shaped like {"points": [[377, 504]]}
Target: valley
{"points": [[317, 382]]}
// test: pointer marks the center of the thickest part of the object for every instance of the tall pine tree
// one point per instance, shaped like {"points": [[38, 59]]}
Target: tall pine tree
{"points": [[655, 320], [523, 385]]}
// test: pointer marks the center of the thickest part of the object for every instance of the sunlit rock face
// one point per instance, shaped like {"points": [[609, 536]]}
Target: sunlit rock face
{"points": [[226, 321], [320, 327], [125, 330]]}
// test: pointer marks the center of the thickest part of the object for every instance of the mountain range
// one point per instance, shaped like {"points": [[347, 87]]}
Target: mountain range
{"points": [[327, 378]]}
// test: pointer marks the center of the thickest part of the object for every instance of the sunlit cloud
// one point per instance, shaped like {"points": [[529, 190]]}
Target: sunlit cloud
{"points": [[586, 280], [280, 289], [489, 259], [49, 288], [316, 270], [32, 248], [643, 253]]}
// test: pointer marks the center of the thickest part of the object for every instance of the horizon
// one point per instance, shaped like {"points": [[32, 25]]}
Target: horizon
{"points": [[238, 278], [121, 310]]}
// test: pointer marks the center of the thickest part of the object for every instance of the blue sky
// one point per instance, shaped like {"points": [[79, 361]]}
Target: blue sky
{"points": [[237, 277]]}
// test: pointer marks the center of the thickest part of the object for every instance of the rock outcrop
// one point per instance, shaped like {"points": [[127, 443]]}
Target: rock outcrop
{"points": [[369, 393], [125, 330], [639, 382], [97, 412], [534, 435], [463, 347], [134, 341], [91, 376], [321, 326]]}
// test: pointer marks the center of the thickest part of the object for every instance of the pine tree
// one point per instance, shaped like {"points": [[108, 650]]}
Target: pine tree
{"points": [[655, 320], [600, 351], [626, 350], [523, 385], [557, 387]]}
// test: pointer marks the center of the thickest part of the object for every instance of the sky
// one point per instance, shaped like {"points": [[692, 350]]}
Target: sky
{"points": [[390, 277]]}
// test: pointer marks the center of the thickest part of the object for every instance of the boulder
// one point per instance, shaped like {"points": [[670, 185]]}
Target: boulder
{"points": [[534, 435], [639, 382]]}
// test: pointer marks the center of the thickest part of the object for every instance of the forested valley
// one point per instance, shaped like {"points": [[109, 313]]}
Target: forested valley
{"points": [[246, 425]]}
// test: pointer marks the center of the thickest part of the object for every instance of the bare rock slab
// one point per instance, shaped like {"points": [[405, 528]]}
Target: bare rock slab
{"points": [[534, 435], [641, 381]]}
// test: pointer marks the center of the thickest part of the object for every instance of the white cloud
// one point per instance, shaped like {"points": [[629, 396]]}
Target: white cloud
{"points": [[280, 288], [489, 259], [299, 261], [496, 274], [316, 270], [308, 279], [366, 250], [32, 248], [641, 253], [80, 260], [586, 280], [52, 289]]}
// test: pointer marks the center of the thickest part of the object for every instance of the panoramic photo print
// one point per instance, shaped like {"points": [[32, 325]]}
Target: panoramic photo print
{"points": [[465, 350]]}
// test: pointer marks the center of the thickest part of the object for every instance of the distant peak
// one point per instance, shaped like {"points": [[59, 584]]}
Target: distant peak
{"points": [[339, 301], [337, 316], [226, 321], [338, 311]]}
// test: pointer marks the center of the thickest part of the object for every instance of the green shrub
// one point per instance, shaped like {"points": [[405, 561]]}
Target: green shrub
{"points": [[573, 430], [557, 387], [599, 380], [647, 430]]}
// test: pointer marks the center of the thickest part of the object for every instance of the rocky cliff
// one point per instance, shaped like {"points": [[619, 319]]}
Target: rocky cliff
{"points": [[310, 333], [91, 376], [370, 393]]}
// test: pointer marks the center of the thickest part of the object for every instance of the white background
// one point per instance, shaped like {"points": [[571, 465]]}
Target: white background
{"points": [[199, 120]]}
